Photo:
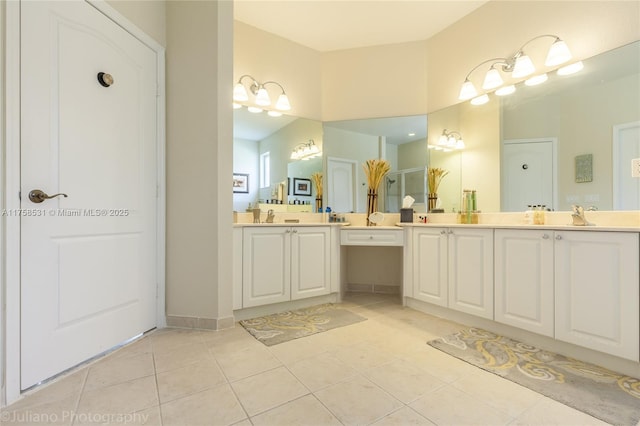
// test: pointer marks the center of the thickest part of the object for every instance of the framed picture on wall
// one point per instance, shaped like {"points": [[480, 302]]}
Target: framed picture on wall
{"points": [[241, 183], [301, 186]]}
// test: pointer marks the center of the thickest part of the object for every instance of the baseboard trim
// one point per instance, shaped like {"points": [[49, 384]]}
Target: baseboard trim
{"points": [[200, 323]]}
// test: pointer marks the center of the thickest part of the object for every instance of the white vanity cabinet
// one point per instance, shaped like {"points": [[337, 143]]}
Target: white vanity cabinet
{"points": [[453, 267], [597, 291], [524, 278], [282, 263]]}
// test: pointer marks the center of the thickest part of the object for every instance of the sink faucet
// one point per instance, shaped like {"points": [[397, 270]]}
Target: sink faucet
{"points": [[578, 216], [270, 216]]}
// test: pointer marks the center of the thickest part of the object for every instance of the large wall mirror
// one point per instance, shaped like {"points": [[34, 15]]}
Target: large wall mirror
{"points": [[575, 134], [567, 141]]}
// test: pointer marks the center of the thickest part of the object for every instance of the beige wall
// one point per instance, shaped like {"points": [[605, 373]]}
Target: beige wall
{"points": [[500, 27], [148, 15], [379, 81], [199, 173], [266, 56]]}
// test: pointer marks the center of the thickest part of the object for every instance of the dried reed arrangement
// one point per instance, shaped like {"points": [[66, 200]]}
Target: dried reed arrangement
{"points": [[434, 177], [317, 180], [375, 170]]}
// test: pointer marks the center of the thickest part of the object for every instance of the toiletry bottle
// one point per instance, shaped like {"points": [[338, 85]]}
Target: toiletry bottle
{"points": [[528, 215]]}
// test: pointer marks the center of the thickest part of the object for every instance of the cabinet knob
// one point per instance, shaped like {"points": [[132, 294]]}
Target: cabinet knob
{"points": [[443, 232], [371, 237], [558, 237], [450, 232], [295, 231], [287, 231], [545, 237]]}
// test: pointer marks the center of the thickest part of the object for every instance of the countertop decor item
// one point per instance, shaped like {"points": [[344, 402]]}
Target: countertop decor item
{"points": [[434, 177], [289, 325], [604, 394], [316, 178], [375, 170]]}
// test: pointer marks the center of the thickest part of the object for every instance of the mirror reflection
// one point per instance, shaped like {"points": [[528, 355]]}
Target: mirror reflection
{"points": [[399, 140], [263, 148], [568, 141]]}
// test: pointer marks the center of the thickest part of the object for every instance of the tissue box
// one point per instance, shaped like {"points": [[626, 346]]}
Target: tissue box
{"points": [[406, 215]]}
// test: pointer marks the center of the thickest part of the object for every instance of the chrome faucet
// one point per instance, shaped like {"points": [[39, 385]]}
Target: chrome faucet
{"points": [[270, 216], [578, 217]]}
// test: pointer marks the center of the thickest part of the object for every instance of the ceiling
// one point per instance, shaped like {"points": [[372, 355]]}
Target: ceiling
{"points": [[326, 25]]}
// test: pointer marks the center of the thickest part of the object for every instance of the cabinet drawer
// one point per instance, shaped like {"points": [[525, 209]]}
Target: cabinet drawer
{"points": [[373, 237]]}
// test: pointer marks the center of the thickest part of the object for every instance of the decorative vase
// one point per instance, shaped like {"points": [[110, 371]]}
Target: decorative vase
{"points": [[319, 204], [372, 204], [433, 199]]}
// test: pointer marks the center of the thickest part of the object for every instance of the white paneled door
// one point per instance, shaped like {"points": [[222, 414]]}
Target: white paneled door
{"points": [[88, 260]]}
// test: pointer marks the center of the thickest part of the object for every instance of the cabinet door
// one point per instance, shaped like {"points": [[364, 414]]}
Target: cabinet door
{"points": [[310, 262], [430, 265], [524, 279], [266, 276], [471, 271], [597, 296]]}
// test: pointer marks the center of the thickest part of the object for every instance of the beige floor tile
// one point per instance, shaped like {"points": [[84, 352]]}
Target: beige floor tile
{"points": [[179, 356], [404, 380], [56, 412], [302, 411], [123, 398], [189, 379], [499, 393], [216, 406], [268, 390], [552, 413], [247, 362], [363, 356], [139, 346], [230, 340], [60, 388], [112, 370], [357, 401], [245, 422], [168, 339], [438, 364], [403, 417], [296, 350], [450, 406], [148, 417], [321, 371]]}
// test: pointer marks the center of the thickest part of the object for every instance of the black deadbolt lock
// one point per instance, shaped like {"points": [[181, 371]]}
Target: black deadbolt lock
{"points": [[105, 79], [525, 166]]}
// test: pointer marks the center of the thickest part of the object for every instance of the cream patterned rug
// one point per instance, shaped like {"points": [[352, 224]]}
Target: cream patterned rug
{"points": [[608, 396], [289, 325]]}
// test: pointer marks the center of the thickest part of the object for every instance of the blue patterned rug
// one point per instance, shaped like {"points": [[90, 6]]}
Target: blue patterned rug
{"points": [[604, 394], [289, 325]]}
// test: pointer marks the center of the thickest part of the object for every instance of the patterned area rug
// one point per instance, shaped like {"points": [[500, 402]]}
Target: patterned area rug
{"points": [[606, 395], [289, 325]]}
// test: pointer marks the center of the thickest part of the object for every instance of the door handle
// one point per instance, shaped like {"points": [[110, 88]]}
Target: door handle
{"points": [[38, 196]]}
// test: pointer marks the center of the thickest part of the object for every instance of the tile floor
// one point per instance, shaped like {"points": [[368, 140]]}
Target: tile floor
{"points": [[379, 371]]}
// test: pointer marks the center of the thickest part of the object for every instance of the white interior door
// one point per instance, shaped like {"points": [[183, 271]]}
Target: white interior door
{"points": [[527, 174], [341, 185], [626, 146], [88, 278]]}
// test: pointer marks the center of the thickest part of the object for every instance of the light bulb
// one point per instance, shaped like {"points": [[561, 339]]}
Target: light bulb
{"points": [[506, 90], [538, 79], [571, 69], [480, 100], [283, 103], [262, 97], [467, 91], [492, 79], [558, 54], [523, 66], [240, 93], [274, 114], [254, 109], [236, 105]]}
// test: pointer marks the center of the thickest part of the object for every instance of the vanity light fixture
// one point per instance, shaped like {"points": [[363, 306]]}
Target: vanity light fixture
{"points": [[306, 151], [260, 93], [538, 79], [449, 140], [571, 68], [519, 65]]}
